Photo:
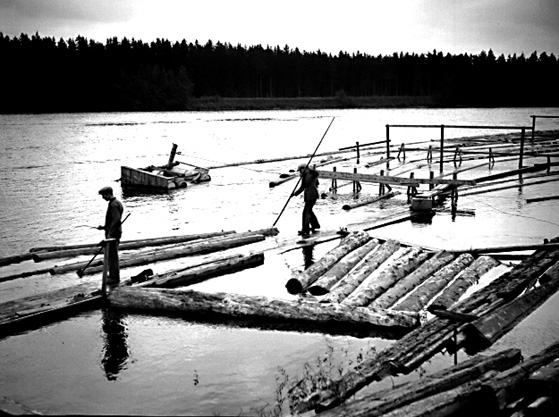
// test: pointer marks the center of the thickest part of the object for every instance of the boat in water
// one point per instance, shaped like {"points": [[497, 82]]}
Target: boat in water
{"points": [[167, 177]]}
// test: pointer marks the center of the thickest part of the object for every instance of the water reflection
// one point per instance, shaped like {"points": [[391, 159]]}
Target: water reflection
{"points": [[308, 255], [115, 348]]}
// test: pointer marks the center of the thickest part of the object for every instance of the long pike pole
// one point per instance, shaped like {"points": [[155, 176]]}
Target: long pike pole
{"points": [[308, 163]]}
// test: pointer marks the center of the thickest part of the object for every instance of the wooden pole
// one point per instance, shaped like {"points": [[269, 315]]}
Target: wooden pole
{"points": [[442, 147], [172, 156], [357, 148], [387, 146], [520, 160], [105, 268], [533, 126]]}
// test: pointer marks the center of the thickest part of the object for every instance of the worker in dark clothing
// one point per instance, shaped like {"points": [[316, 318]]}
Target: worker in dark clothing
{"points": [[113, 230], [309, 184]]}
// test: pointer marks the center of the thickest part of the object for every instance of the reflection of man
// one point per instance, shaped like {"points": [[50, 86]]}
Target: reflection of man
{"points": [[309, 184], [116, 347], [113, 230]]}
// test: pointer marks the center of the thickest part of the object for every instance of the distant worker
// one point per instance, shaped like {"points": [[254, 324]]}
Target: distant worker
{"points": [[113, 230], [309, 184]]}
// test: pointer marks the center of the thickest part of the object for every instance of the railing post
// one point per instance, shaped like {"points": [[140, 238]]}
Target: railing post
{"points": [[533, 126], [431, 177], [442, 146], [520, 160], [357, 147], [387, 146]]}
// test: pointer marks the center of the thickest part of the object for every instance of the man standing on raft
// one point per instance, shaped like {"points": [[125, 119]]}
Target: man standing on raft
{"points": [[113, 230], [309, 184]]}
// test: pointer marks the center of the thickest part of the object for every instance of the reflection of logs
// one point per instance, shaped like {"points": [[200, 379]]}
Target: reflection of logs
{"points": [[434, 284], [408, 283], [386, 276], [352, 280], [344, 265], [466, 279], [255, 307], [311, 274]]}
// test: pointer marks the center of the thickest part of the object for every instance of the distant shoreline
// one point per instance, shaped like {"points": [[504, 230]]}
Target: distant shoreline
{"points": [[307, 103]]}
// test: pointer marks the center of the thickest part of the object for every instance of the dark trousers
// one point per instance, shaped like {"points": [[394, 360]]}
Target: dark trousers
{"points": [[309, 218], [114, 268]]}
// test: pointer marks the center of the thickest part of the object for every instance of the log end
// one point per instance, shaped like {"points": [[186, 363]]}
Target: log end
{"points": [[318, 290], [294, 286], [346, 207]]}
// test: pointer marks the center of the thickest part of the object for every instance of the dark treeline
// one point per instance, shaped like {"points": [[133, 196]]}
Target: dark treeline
{"points": [[41, 74]]}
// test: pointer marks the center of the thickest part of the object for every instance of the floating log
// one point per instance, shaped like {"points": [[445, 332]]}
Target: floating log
{"points": [[68, 253], [411, 281], [196, 274], [25, 274], [15, 259], [351, 281], [385, 276], [198, 248], [256, 307], [538, 199], [545, 380], [370, 200], [385, 401], [148, 241], [434, 284], [466, 279], [342, 267], [485, 331], [509, 248], [311, 274], [37, 310]]}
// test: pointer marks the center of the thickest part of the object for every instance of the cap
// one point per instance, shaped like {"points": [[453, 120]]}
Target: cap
{"points": [[301, 166], [106, 190]]}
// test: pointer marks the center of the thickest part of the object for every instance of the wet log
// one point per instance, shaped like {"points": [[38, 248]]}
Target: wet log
{"points": [[386, 401], [200, 273], [39, 309], [323, 285], [256, 307], [414, 279], [125, 245], [198, 248], [433, 285], [25, 274], [370, 200], [511, 384], [15, 259], [352, 280], [485, 331], [545, 380], [386, 276], [465, 280], [305, 279]]}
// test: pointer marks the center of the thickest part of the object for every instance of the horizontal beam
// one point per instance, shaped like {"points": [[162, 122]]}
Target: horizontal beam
{"points": [[386, 179], [467, 127]]}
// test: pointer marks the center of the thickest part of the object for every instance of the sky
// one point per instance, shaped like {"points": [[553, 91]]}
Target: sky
{"points": [[373, 27]]}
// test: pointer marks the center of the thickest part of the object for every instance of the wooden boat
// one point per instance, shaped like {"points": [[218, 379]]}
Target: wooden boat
{"points": [[166, 177]]}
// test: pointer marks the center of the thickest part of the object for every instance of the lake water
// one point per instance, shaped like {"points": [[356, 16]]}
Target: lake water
{"points": [[51, 167]]}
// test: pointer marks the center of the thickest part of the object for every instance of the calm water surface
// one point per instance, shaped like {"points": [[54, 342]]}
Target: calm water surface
{"points": [[51, 167]]}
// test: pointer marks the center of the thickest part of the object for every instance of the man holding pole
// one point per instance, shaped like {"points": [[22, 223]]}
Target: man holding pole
{"points": [[113, 230], [309, 184]]}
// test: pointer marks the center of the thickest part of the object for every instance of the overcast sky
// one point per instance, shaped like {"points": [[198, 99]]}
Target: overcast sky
{"points": [[370, 26]]}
